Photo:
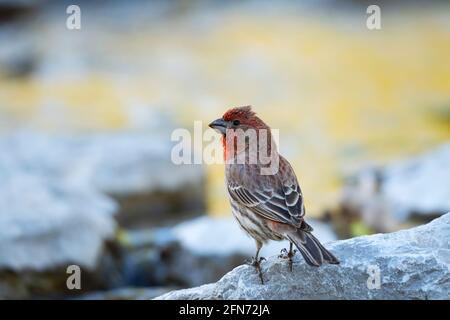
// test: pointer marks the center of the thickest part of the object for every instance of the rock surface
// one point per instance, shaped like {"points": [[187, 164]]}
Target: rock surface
{"points": [[162, 256], [412, 264], [125, 294], [60, 197], [118, 163], [225, 237], [53, 203], [387, 197], [155, 257], [45, 223]]}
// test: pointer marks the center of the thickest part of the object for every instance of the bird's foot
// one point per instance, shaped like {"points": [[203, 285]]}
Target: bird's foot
{"points": [[284, 254], [256, 263]]}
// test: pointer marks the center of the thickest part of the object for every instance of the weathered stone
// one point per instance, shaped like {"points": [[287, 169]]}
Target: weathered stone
{"points": [[56, 207], [45, 223], [386, 198], [125, 294], [225, 237], [412, 264], [158, 257], [134, 167], [162, 256]]}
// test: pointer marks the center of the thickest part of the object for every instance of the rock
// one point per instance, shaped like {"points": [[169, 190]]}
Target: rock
{"points": [[414, 189], [134, 168], [57, 206], [46, 223], [125, 294], [158, 258], [217, 231], [161, 256], [411, 264]]}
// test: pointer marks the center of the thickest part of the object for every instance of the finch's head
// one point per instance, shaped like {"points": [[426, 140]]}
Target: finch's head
{"points": [[238, 118]]}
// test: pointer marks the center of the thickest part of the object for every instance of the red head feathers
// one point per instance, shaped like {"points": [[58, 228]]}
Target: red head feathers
{"points": [[245, 115]]}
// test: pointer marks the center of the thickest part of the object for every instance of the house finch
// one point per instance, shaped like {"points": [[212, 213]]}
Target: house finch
{"points": [[266, 206]]}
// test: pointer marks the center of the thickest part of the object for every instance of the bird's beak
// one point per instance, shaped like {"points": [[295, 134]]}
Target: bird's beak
{"points": [[220, 125]]}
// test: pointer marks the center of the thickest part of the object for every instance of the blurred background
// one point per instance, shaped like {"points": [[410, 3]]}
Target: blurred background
{"points": [[86, 118]]}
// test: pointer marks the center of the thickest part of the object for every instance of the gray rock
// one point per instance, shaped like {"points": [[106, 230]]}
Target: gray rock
{"points": [[60, 195], [158, 257], [125, 294], [387, 197], [192, 235], [45, 223], [412, 264], [162, 256], [118, 163]]}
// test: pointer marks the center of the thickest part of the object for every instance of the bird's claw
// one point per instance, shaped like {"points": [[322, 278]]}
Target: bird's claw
{"points": [[254, 262], [284, 254]]}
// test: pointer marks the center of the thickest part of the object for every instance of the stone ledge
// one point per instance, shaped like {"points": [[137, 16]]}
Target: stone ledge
{"points": [[412, 264]]}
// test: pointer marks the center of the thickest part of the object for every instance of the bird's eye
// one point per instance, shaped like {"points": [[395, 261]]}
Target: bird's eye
{"points": [[236, 122]]}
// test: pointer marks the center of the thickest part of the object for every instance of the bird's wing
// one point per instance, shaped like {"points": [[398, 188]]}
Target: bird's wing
{"points": [[281, 203]]}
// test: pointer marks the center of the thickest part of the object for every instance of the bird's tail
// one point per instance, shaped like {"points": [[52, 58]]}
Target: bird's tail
{"points": [[311, 249]]}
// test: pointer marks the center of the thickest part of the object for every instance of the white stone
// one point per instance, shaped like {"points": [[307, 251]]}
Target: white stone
{"points": [[388, 196], [413, 264], [420, 185], [222, 236], [53, 204]]}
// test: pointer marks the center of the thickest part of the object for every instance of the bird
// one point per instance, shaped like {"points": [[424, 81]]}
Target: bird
{"points": [[266, 206]]}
